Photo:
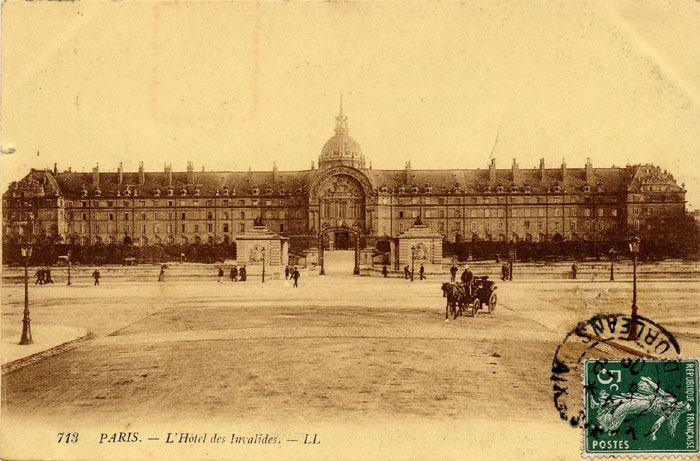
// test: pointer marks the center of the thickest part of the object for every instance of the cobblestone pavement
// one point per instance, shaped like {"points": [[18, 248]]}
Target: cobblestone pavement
{"points": [[337, 348]]}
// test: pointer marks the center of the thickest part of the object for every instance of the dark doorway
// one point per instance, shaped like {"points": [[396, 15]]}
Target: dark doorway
{"points": [[342, 240]]}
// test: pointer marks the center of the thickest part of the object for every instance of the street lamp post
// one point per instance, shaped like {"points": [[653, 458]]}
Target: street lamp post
{"points": [[634, 249], [26, 321], [263, 274], [612, 264], [69, 264], [413, 260]]}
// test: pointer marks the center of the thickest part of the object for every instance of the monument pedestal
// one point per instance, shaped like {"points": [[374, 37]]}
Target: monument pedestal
{"points": [[259, 244], [419, 245]]}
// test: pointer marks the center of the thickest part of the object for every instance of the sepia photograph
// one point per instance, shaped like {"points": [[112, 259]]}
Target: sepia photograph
{"points": [[349, 230]]}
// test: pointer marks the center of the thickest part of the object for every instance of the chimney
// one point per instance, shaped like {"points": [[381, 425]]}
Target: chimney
{"points": [[142, 174], [589, 171], [541, 169], [407, 173], [514, 169], [312, 164], [563, 170], [250, 176], [55, 168], [96, 175], [119, 173], [190, 173], [169, 174], [492, 171], [274, 171]]}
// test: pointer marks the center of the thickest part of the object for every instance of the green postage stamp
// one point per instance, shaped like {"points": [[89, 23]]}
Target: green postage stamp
{"points": [[640, 407]]}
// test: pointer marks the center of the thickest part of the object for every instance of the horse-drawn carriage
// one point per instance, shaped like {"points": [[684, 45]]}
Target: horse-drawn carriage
{"points": [[460, 296]]}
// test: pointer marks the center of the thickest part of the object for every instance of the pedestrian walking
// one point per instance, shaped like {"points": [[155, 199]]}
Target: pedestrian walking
{"points": [[504, 272], [453, 273], [286, 272], [221, 274], [574, 271], [406, 273], [47, 275], [161, 275], [242, 273], [39, 277], [421, 272], [96, 276], [385, 272], [234, 274], [295, 276]]}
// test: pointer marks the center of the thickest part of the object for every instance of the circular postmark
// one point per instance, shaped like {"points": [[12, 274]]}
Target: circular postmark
{"points": [[604, 336]]}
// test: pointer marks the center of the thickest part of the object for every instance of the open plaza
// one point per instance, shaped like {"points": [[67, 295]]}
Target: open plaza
{"points": [[339, 347]]}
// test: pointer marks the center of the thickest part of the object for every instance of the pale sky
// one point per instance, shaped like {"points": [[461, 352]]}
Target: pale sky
{"points": [[232, 85]]}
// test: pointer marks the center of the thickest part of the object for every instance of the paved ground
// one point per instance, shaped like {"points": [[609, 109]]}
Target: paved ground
{"points": [[338, 349]]}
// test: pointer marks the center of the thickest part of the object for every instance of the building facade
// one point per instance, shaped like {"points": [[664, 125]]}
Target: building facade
{"points": [[171, 208]]}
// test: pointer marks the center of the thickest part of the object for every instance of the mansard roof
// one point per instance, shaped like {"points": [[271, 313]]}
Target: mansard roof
{"points": [[443, 181]]}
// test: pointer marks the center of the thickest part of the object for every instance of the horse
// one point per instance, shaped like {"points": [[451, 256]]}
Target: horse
{"points": [[449, 292]]}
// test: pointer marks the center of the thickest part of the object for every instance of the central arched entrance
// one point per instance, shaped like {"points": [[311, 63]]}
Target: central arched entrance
{"points": [[331, 236]]}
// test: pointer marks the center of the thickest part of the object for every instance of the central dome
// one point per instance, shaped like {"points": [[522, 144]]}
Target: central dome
{"points": [[341, 149]]}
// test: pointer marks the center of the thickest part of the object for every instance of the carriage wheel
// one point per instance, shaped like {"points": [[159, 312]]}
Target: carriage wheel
{"points": [[476, 307], [492, 301]]}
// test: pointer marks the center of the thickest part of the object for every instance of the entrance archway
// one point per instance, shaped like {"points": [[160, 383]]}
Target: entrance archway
{"points": [[341, 234]]}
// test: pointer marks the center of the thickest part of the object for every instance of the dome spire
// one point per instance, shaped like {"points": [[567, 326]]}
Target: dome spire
{"points": [[341, 124]]}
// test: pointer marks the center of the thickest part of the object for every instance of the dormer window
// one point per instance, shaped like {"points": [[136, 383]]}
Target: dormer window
{"points": [[171, 192], [499, 188], [156, 192], [600, 187], [299, 190], [256, 190], [127, 191], [402, 189], [226, 191], [233, 192], [196, 191], [282, 191], [268, 189], [98, 193], [513, 187], [487, 188], [414, 189], [586, 188], [183, 191], [384, 188], [84, 192], [429, 189], [527, 189], [557, 188]]}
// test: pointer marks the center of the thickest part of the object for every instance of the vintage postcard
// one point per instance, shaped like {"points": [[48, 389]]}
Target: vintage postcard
{"points": [[349, 230]]}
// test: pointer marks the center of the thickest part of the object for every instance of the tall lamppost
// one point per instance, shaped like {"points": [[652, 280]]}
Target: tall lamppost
{"points": [[413, 260], [634, 249], [263, 274], [26, 321], [69, 264], [612, 264]]}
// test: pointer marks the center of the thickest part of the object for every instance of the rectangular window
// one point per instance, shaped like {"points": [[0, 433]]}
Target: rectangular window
{"points": [[225, 227], [183, 216], [487, 226], [155, 215], [83, 216], [400, 214], [126, 216], [600, 225], [441, 226], [143, 216], [587, 225], [210, 202], [242, 214], [600, 212], [110, 228], [281, 227], [225, 215], [573, 212], [155, 203], [414, 213], [572, 225], [400, 226], [126, 228], [587, 212], [70, 203], [540, 212], [170, 215], [210, 228], [210, 215], [83, 203], [97, 228], [527, 225], [110, 216], [196, 228], [182, 228], [170, 228], [636, 224], [500, 225], [142, 203], [487, 213], [635, 211], [539, 226], [473, 226], [156, 229], [614, 211], [442, 213], [556, 225], [241, 227], [170, 203], [143, 228]]}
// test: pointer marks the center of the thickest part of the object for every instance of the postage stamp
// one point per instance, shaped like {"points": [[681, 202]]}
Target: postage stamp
{"points": [[639, 407]]}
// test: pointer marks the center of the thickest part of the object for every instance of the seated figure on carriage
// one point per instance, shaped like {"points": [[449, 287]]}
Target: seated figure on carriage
{"points": [[473, 292]]}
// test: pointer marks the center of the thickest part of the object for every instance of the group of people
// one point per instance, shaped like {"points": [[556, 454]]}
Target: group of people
{"points": [[293, 273], [43, 276], [235, 273], [407, 272]]}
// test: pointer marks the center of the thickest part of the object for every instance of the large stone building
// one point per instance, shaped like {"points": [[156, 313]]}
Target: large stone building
{"points": [[342, 197]]}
